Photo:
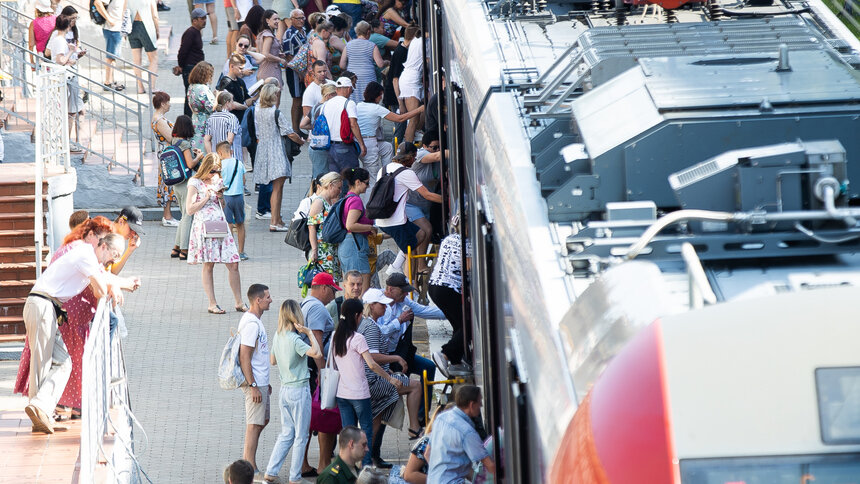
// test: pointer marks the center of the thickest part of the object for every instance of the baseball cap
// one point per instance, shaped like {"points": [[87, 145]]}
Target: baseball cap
{"points": [[44, 6], [198, 13], [343, 82], [325, 279], [134, 217], [332, 10], [374, 295], [405, 150], [399, 280]]}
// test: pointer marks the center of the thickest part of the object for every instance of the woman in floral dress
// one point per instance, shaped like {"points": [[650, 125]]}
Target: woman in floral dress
{"points": [[201, 100], [163, 130], [322, 252], [205, 194]]}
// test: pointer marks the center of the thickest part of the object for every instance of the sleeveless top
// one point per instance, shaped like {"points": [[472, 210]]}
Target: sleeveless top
{"points": [[42, 28], [162, 141], [359, 60]]}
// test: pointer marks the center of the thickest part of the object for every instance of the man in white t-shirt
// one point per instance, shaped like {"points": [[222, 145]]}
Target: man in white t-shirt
{"points": [[405, 233], [313, 95], [254, 361], [66, 277], [343, 155]]}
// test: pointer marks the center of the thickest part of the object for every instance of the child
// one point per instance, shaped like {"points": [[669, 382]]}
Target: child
{"points": [[233, 173]]}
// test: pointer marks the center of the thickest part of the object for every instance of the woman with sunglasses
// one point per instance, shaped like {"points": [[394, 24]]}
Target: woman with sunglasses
{"points": [[248, 73], [205, 192]]}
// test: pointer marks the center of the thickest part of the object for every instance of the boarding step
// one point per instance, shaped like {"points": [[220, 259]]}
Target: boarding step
{"points": [[16, 271], [17, 238], [12, 306], [20, 188], [12, 328], [20, 203], [16, 288], [17, 221]]}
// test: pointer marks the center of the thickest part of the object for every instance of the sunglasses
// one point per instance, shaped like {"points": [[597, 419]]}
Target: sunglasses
{"points": [[433, 147], [243, 46]]}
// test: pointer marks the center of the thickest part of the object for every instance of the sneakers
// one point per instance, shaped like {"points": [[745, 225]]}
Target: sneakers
{"points": [[441, 362], [243, 256], [263, 216], [163, 8], [247, 192], [171, 222]]}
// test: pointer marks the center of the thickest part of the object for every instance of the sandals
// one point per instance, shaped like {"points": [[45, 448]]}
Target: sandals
{"points": [[216, 310], [415, 434], [174, 253], [241, 309], [183, 255], [278, 228]]}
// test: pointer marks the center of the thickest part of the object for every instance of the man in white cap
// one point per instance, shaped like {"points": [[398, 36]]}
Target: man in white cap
{"points": [[343, 153]]}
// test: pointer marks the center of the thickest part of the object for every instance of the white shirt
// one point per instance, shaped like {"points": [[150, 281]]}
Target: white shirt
{"points": [[57, 46], [253, 334], [405, 181], [243, 6], [332, 109], [312, 95], [304, 208], [413, 68], [114, 10], [370, 116], [448, 266], [70, 274]]}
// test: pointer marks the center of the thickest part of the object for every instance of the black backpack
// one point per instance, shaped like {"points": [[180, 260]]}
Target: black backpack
{"points": [[382, 203], [95, 15]]}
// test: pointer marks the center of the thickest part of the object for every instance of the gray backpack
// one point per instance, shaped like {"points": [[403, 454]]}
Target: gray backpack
{"points": [[230, 375]]}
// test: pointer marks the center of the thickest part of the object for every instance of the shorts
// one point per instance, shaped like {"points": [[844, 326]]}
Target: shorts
{"points": [[203, 2], [139, 38], [353, 254], [257, 413], [403, 235], [112, 40], [234, 209], [414, 212], [296, 84], [232, 23]]}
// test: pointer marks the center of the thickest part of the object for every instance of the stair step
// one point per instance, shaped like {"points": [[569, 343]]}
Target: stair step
{"points": [[17, 238], [12, 271], [20, 203], [17, 221], [21, 188], [12, 325], [16, 255], [12, 306], [16, 288]]}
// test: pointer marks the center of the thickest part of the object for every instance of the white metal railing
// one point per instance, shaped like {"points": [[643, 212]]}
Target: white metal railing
{"points": [[701, 292], [122, 135], [104, 387]]}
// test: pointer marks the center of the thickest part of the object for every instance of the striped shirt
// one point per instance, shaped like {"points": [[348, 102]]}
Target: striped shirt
{"points": [[219, 125], [294, 39]]}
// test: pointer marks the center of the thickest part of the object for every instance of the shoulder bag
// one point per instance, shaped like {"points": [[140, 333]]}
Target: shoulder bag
{"points": [[329, 379], [216, 229]]}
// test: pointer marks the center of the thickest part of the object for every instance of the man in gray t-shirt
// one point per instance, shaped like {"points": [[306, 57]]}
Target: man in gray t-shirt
{"points": [[426, 167], [317, 317]]}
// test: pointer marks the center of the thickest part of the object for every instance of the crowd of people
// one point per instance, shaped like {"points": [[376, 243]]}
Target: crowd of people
{"points": [[353, 64]]}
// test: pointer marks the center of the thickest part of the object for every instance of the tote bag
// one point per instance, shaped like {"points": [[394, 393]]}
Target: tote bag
{"points": [[329, 379]]}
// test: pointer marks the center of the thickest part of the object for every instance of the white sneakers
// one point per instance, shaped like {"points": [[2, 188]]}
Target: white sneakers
{"points": [[263, 216], [441, 362], [169, 222]]}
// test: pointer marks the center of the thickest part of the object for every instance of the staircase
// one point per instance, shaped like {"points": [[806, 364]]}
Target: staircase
{"points": [[17, 245]]}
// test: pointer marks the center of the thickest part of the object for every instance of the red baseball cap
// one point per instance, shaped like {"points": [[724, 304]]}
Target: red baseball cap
{"points": [[325, 279]]}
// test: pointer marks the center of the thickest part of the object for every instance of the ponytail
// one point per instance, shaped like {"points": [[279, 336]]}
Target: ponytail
{"points": [[224, 98]]}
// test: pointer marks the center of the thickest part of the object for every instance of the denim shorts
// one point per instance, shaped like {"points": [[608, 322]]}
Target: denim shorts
{"points": [[234, 209], [112, 40], [352, 253], [414, 212], [403, 235]]}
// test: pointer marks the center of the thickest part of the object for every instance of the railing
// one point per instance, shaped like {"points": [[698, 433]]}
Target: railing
{"points": [[104, 387], [118, 132]]}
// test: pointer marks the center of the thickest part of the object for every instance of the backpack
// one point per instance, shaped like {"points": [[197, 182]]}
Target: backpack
{"points": [[249, 131], [382, 203], [95, 16], [345, 129], [332, 230], [171, 162], [230, 375], [320, 137]]}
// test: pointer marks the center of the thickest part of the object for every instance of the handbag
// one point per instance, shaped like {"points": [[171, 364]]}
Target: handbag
{"points": [[216, 229], [291, 149], [298, 235], [325, 421], [397, 415], [299, 62], [329, 379], [306, 274]]}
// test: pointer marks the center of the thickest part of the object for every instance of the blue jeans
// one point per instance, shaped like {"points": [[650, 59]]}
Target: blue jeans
{"points": [[354, 11], [319, 162], [419, 364], [358, 412], [295, 425], [264, 198]]}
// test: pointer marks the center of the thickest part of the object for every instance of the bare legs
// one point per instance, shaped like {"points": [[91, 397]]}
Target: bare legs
{"points": [[326, 442], [153, 66], [252, 437], [412, 125], [209, 285], [423, 237], [213, 19], [240, 235], [277, 195], [296, 112]]}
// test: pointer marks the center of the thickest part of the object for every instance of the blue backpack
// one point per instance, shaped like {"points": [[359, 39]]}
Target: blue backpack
{"points": [[332, 230], [249, 131], [320, 137], [171, 161]]}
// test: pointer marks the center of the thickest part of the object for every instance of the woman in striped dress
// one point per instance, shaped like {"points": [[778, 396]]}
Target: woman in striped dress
{"points": [[362, 57]]}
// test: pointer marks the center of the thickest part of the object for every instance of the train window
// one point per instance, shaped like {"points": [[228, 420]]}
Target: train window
{"points": [[839, 404], [837, 468]]}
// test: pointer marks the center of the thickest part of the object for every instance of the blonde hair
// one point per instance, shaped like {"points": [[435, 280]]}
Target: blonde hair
{"points": [[439, 409], [207, 164], [362, 29], [328, 90], [290, 315], [269, 95], [237, 60], [329, 178], [224, 98]]}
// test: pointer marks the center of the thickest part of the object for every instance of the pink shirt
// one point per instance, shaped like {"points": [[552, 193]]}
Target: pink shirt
{"points": [[42, 28], [353, 382], [355, 203]]}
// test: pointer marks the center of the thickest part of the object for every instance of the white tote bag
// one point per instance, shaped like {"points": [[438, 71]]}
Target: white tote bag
{"points": [[329, 379]]}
